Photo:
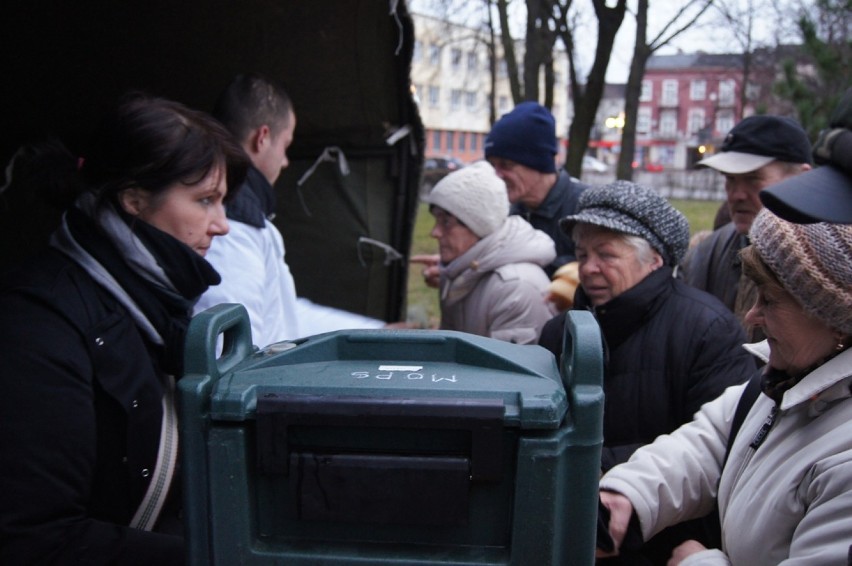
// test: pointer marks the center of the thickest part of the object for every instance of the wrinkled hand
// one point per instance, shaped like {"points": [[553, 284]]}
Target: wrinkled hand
{"points": [[620, 511], [683, 550], [431, 271]]}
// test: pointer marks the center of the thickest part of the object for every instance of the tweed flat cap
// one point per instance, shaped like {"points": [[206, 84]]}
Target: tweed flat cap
{"points": [[632, 209]]}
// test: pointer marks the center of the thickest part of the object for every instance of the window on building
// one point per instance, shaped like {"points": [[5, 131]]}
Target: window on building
{"points": [[695, 120], [726, 92], [449, 139], [462, 141], [474, 142], [434, 96], [643, 120], [472, 62], [435, 55], [698, 89], [455, 99], [502, 69], [669, 96], [724, 121], [753, 91], [417, 56], [647, 91], [502, 104], [456, 58], [436, 140], [668, 124], [470, 100]]}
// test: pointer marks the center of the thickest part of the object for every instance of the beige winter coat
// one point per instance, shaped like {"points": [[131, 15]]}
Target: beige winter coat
{"points": [[497, 288], [788, 502]]}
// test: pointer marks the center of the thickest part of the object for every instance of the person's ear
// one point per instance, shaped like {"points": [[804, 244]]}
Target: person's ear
{"points": [[134, 200], [260, 139], [658, 261]]}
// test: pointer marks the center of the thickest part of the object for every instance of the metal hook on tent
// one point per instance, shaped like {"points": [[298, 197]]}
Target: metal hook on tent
{"points": [[329, 154], [393, 12], [391, 254]]}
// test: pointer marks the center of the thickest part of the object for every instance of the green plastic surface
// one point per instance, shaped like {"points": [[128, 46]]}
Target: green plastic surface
{"points": [[541, 510]]}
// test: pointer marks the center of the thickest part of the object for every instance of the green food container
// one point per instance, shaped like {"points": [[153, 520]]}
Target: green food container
{"points": [[389, 447]]}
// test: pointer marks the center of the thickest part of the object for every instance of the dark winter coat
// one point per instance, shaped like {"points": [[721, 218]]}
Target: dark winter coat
{"points": [[560, 202], [670, 349], [77, 371]]}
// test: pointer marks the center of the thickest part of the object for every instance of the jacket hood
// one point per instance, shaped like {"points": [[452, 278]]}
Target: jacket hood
{"points": [[516, 241]]}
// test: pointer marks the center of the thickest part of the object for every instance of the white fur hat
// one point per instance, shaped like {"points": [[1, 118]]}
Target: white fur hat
{"points": [[475, 195]]}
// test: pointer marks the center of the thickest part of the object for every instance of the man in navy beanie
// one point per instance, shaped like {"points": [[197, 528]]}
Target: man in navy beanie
{"points": [[522, 148]]}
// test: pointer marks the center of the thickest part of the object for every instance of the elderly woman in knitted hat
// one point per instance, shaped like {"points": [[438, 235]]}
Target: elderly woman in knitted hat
{"points": [[491, 282], [670, 347], [784, 489]]}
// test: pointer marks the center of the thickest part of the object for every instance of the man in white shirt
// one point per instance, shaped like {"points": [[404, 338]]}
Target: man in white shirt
{"points": [[251, 258]]}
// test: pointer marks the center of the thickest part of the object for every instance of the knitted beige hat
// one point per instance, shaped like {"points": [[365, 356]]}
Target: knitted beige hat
{"points": [[813, 263], [475, 195]]}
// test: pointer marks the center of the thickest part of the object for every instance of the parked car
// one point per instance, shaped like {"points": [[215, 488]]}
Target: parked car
{"points": [[648, 166], [592, 164], [435, 169]]}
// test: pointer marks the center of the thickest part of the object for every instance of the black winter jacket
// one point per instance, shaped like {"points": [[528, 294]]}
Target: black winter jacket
{"points": [[77, 371], [560, 202], [670, 349], [714, 265]]}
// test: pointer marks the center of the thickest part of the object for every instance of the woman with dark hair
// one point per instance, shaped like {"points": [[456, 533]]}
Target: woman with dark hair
{"points": [[92, 333]]}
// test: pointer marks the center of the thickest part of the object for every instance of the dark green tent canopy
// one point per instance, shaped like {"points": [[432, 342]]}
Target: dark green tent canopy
{"points": [[345, 64]]}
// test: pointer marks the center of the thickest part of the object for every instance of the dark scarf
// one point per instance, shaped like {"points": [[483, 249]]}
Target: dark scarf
{"points": [[254, 201], [154, 275]]}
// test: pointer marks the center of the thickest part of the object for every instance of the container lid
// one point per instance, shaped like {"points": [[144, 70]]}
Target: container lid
{"points": [[400, 364]]}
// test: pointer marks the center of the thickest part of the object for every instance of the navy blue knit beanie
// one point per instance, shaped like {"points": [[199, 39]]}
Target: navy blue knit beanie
{"points": [[526, 135]]}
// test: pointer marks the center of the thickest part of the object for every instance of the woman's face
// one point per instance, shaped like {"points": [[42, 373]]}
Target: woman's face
{"points": [[609, 266], [454, 238], [796, 339], [193, 214]]}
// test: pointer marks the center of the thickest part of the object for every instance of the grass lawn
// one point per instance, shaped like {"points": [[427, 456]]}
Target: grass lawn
{"points": [[423, 307]]}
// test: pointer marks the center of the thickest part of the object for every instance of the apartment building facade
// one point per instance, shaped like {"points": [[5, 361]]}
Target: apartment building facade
{"points": [[688, 104], [452, 81]]}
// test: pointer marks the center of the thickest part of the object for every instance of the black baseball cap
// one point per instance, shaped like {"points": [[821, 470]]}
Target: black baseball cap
{"points": [[759, 140], [819, 195]]}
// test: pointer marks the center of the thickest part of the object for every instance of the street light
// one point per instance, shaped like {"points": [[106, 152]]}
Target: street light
{"points": [[615, 122]]}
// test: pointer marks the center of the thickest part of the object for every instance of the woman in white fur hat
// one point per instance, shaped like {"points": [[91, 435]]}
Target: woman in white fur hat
{"points": [[492, 282]]}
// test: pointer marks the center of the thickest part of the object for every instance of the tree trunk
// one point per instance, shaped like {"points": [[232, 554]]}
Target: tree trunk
{"points": [[509, 52], [586, 106], [641, 53]]}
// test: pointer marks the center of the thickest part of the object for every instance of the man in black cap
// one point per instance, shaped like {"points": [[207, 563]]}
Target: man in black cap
{"points": [[758, 152], [824, 194]]}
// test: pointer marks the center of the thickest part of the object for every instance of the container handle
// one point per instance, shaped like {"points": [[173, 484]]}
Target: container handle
{"points": [[581, 368], [202, 340]]}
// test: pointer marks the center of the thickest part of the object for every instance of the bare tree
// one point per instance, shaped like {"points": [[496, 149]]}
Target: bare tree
{"points": [[682, 20], [738, 18], [586, 95], [509, 55]]}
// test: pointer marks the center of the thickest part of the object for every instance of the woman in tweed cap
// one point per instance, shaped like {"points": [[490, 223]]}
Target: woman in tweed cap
{"points": [[670, 347], [785, 491]]}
